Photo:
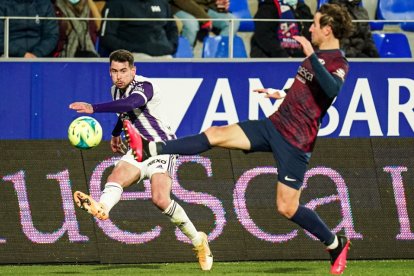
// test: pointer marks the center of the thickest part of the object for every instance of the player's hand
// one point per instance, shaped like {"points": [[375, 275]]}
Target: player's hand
{"points": [[306, 45], [271, 93], [117, 145], [81, 107]]}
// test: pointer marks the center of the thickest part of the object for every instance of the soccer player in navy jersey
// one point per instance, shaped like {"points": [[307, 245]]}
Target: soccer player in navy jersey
{"points": [[137, 98], [290, 132]]}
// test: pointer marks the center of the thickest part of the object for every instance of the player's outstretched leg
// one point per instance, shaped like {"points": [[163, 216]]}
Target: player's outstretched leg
{"points": [[87, 203], [138, 145], [339, 255], [203, 252]]}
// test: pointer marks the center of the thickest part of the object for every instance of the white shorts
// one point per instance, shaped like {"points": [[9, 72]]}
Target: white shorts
{"points": [[158, 164]]}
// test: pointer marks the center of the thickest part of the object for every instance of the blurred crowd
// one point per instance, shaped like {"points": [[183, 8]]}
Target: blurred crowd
{"points": [[73, 35]]}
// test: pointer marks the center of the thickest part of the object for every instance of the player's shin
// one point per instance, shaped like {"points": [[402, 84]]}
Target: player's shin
{"points": [[179, 218], [189, 145], [198, 239]]}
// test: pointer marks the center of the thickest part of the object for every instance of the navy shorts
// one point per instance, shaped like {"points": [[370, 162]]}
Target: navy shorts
{"points": [[291, 161]]}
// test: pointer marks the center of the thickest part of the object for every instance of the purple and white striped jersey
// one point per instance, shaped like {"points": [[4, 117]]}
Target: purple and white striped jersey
{"points": [[146, 116]]}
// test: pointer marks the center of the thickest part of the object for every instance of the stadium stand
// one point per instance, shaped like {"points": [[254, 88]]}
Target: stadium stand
{"points": [[218, 47], [321, 2], [240, 9], [392, 45], [371, 6], [397, 10], [184, 49]]}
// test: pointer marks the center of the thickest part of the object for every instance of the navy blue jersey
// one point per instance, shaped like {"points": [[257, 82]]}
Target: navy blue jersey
{"points": [[298, 117]]}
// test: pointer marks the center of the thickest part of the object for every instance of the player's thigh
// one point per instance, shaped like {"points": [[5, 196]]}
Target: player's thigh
{"points": [[160, 169], [124, 174], [230, 136]]}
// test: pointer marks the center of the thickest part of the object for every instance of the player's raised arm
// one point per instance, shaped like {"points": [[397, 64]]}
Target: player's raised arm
{"points": [[306, 45], [271, 93], [81, 107]]}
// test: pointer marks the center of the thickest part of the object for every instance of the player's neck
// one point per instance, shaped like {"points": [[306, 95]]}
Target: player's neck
{"points": [[329, 44]]}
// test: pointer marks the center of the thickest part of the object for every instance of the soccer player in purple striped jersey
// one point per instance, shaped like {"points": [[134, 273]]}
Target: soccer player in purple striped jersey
{"points": [[290, 132], [137, 99]]}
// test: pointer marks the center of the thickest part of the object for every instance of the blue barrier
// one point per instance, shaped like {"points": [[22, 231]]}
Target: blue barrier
{"points": [[377, 99]]}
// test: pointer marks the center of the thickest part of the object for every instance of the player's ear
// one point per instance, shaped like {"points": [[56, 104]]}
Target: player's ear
{"points": [[327, 30]]}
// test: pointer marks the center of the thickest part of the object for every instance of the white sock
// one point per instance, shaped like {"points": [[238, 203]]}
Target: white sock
{"points": [[178, 216], [152, 146], [334, 244], [111, 195]]}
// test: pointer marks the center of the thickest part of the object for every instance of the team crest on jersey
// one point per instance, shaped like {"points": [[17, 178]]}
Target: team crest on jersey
{"points": [[139, 87]]}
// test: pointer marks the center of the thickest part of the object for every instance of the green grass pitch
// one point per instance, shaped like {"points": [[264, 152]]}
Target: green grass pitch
{"points": [[385, 267]]}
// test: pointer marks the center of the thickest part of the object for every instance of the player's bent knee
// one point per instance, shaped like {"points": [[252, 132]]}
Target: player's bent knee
{"points": [[286, 210], [215, 135], [161, 202], [212, 131]]}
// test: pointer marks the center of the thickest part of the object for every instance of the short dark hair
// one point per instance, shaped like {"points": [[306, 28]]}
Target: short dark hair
{"points": [[338, 18], [122, 55]]}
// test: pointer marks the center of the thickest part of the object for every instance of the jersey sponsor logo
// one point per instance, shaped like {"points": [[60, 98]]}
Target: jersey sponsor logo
{"points": [[157, 161], [322, 61], [305, 73], [155, 8], [139, 89]]}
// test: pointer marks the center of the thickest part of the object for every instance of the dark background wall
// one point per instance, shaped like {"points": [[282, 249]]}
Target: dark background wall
{"points": [[361, 187]]}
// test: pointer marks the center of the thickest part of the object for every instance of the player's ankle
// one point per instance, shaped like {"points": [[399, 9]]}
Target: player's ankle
{"points": [[334, 244], [197, 240]]}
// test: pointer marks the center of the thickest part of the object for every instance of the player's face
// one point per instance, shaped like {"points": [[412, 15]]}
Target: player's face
{"points": [[316, 31], [121, 74]]}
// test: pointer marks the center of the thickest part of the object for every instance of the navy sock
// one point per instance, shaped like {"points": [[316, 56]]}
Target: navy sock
{"points": [[310, 221], [189, 145]]}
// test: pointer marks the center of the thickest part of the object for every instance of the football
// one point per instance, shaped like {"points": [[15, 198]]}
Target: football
{"points": [[85, 132]]}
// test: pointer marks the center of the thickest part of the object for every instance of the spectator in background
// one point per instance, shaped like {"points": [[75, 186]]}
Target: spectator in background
{"points": [[275, 38], [204, 10], [77, 37], [145, 39], [190, 11], [29, 38], [360, 43]]}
